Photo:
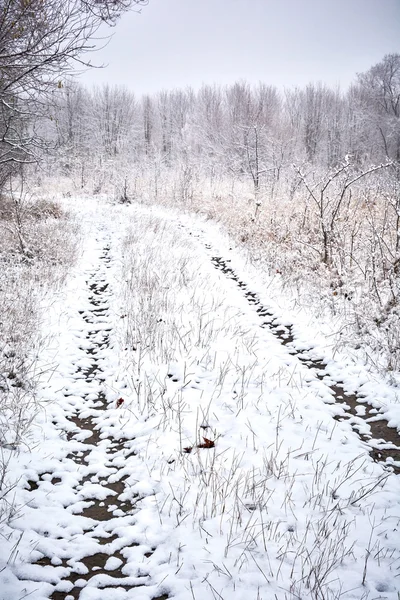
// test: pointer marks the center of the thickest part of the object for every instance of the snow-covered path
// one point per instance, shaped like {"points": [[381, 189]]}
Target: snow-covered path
{"points": [[189, 449]]}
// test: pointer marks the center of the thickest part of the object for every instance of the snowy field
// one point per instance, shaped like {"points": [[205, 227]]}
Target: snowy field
{"points": [[186, 450]]}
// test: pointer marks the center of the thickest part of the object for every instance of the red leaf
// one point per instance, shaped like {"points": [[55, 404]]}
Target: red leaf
{"points": [[207, 443], [188, 449], [119, 402]]}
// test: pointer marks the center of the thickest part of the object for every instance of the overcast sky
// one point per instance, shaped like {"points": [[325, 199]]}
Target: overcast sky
{"points": [[176, 43]]}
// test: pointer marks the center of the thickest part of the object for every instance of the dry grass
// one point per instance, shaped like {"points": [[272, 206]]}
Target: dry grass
{"points": [[260, 502], [29, 274]]}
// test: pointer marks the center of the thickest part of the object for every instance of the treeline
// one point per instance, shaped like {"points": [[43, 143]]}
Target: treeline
{"points": [[239, 130]]}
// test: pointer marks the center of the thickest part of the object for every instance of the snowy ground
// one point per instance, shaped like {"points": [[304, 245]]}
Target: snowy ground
{"points": [[192, 442]]}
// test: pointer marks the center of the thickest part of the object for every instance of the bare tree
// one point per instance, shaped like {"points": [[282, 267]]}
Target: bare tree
{"points": [[329, 194], [42, 41], [381, 86]]}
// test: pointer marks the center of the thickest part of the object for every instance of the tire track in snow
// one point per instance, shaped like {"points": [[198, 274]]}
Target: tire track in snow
{"points": [[95, 559], [383, 441]]}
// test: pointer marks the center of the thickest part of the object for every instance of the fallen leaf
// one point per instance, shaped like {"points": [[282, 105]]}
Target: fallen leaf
{"points": [[207, 443]]}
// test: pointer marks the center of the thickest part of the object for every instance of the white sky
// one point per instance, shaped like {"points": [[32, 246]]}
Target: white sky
{"points": [[176, 43]]}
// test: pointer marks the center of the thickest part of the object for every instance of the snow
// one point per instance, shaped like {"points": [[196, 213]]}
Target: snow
{"points": [[287, 501]]}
